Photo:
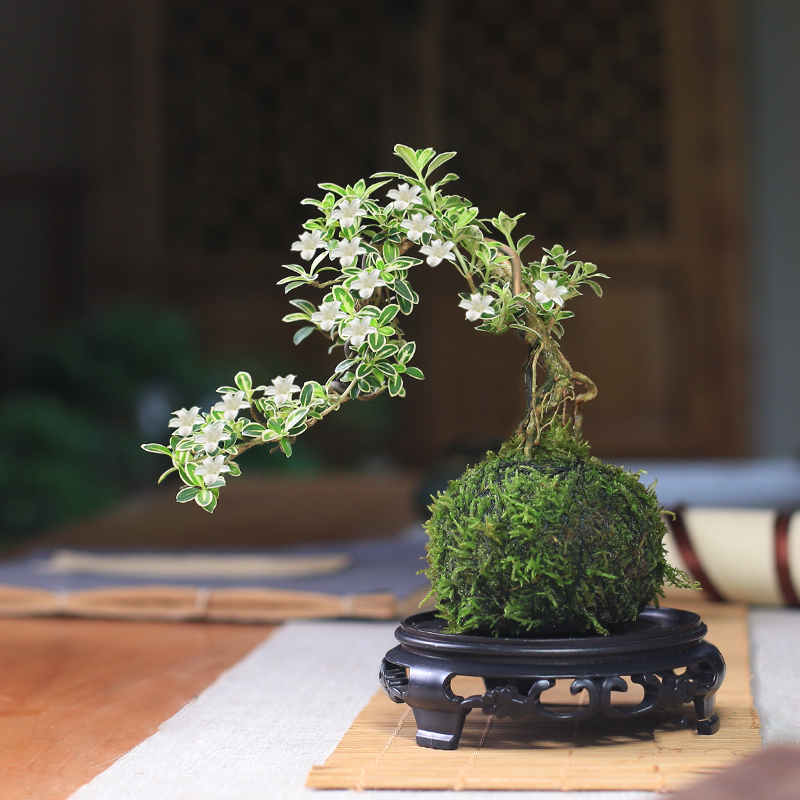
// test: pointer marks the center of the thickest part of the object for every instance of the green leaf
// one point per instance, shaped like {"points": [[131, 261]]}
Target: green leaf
{"points": [[407, 352], [415, 372], [408, 155], [187, 473], [332, 187], [343, 296], [524, 242], [342, 366], [253, 429], [373, 187], [206, 500], [188, 493], [376, 341], [388, 175], [243, 381], [451, 176], [236, 470], [157, 448], [437, 162], [404, 291], [286, 446], [388, 313], [168, 472], [293, 285], [395, 386], [598, 289], [304, 305], [296, 416], [386, 369], [467, 216], [307, 394], [303, 333], [424, 156], [387, 351], [406, 306]]}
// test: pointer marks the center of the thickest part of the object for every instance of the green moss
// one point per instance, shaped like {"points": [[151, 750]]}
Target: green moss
{"points": [[564, 545]]}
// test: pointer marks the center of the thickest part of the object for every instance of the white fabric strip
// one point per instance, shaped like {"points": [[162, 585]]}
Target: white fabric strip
{"points": [[256, 731]]}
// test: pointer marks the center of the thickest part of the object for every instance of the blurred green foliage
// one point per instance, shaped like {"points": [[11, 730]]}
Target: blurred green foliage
{"points": [[90, 393]]}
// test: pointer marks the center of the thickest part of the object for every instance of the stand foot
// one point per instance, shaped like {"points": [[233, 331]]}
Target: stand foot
{"points": [[439, 730]]}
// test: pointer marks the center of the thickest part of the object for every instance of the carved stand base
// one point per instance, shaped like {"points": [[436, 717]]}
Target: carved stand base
{"points": [[517, 671]]}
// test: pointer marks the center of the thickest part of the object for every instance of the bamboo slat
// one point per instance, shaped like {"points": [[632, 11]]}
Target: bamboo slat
{"points": [[657, 752]]}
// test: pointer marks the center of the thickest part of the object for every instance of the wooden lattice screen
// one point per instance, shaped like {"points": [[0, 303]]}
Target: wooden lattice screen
{"points": [[612, 123]]}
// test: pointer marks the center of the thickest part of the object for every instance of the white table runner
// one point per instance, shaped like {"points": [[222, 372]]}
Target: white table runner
{"points": [[257, 730]]}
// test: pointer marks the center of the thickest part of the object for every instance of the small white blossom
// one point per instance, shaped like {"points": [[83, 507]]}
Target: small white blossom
{"points": [[418, 225], [282, 389], [358, 329], [367, 281], [476, 306], [437, 250], [231, 404], [308, 244], [211, 435], [328, 315], [347, 211], [549, 291], [212, 468], [347, 250], [184, 420], [404, 196]]}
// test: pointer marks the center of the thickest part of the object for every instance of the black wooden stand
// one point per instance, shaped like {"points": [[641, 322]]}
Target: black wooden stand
{"points": [[516, 672]]}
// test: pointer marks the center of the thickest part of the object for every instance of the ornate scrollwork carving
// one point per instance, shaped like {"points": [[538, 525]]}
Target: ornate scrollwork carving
{"points": [[664, 690]]}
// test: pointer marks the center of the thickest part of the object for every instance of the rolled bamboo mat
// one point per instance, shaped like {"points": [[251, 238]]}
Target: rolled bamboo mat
{"points": [[658, 752]]}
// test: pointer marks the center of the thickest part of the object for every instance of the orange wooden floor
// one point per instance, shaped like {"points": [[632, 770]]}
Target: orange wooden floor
{"points": [[77, 694]]}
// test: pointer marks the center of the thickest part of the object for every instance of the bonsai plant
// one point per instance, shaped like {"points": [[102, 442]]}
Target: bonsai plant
{"points": [[539, 537]]}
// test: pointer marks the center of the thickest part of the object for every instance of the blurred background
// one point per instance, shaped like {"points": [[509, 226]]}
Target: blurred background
{"points": [[153, 154]]}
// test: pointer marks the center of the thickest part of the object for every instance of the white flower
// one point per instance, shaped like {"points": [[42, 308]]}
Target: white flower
{"points": [[184, 420], [476, 306], [437, 250], [358, 329], [404, 196], [328, 315], [549, 291], [212, 435], [231, 404], [282, 389], [418, 225], [347, 250], [367, 281], [211, 469], [347, 212], [308, 244]]}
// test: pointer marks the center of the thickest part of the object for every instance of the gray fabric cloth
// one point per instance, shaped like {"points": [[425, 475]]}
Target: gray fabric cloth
{"points": [[726, 483], [256, 732], [388, 565]]}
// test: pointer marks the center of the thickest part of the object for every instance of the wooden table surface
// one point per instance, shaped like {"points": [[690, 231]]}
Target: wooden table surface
{"points": [[77, 694]]}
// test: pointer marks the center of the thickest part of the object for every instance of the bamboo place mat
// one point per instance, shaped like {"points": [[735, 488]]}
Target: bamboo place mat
{"points": [[656, 752]]}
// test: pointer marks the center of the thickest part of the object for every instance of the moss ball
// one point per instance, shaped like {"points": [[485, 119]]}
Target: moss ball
{"points": [[571, 546]]}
